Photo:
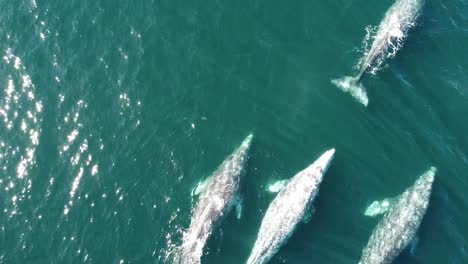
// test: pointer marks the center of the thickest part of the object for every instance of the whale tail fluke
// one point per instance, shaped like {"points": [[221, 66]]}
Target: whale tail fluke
{"points": [[353, 86]]}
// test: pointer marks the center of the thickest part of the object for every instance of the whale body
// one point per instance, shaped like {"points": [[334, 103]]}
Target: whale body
{"points": [[399, 225], [288, 209], [391, 33], [216, 200], [393, 29]]}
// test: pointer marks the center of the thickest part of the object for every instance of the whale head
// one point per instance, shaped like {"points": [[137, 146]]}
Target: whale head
{"points": [[423, 184], [247, 141], [244, 147], [316, 170], [324, 161]]}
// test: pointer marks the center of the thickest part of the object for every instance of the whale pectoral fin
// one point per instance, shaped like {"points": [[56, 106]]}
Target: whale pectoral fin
{"points": [[379, 207], [414, 244], [238, 205], [277, 186], [201, 187]]}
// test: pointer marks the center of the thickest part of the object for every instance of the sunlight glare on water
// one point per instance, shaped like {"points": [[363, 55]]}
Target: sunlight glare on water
{"points": [[111, 113]]}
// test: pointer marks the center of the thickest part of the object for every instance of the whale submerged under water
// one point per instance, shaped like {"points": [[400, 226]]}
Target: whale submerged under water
{"points": [[391, 33], [217, 197], [288, 209]]}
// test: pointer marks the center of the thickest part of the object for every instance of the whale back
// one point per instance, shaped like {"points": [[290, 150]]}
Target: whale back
{"points": [[288, 209], [391, 33], [214, 203]]}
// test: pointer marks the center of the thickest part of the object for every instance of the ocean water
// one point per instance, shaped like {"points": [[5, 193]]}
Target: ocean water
{"points": [[112, 111]]}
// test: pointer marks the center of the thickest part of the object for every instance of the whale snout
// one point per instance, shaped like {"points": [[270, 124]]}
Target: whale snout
{"points": [[330, 153], [324, 161], [429, 176], [247, 141]]}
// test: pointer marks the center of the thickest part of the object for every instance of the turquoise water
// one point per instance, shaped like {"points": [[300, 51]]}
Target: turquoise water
{"points": [[112, 111]]}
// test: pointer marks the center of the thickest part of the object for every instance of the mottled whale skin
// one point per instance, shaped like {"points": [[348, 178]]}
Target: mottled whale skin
{"points": [[214, 203], [288, 209], [399, 225], [398, 20]]}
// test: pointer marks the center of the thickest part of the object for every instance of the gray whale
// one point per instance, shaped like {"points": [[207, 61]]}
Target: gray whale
{"points": [[399, 225], [215, 202], [288, 209]]}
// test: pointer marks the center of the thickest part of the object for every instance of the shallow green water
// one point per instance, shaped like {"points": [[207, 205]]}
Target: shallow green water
{"points": [[112, 111]]}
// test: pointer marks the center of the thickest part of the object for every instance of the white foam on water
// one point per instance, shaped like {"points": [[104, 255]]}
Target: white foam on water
{"points": [[173, 251]]}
